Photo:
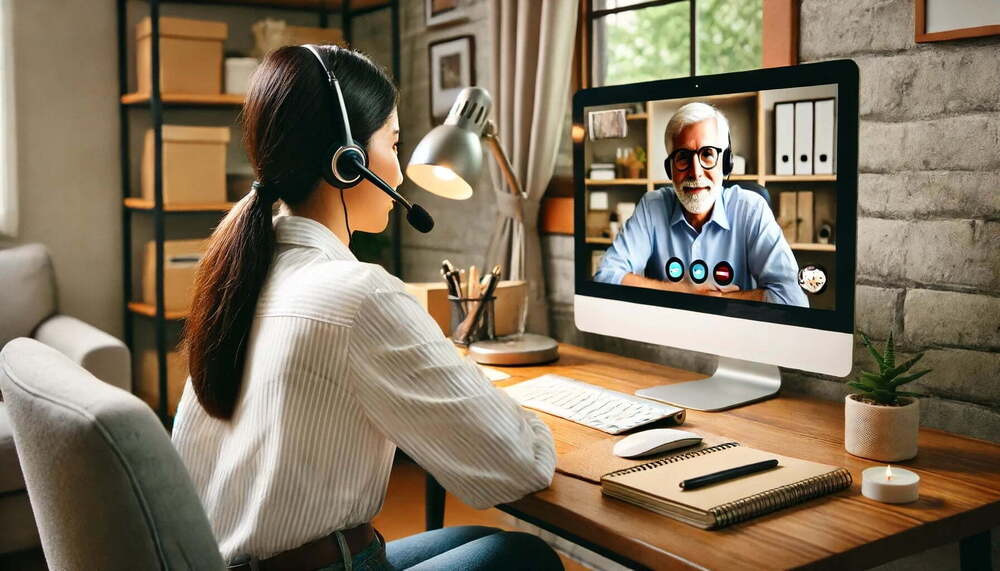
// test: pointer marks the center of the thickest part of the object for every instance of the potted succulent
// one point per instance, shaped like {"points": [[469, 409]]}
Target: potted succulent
{"points": [[881, 422]]}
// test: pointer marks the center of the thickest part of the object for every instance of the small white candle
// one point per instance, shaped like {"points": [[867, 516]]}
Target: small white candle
{"points": [[890, 485]]}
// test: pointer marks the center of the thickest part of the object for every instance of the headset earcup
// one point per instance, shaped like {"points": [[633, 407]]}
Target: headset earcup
{"points": [[727, 161], [328, 175], [666, 167]]}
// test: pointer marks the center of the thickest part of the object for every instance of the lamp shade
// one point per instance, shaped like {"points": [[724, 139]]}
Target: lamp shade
{"points": [[449, 159], [446, 161]]}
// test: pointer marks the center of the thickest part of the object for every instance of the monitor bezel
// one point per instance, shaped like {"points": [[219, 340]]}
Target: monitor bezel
{"points": [[843, 73]]}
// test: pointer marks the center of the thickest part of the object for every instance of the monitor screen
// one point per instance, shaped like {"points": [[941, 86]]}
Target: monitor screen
{"points": [[732, 194]]}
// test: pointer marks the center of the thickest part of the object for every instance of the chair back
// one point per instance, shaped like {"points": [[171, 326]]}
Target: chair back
{"points": [[28, 286], [107, 487]]}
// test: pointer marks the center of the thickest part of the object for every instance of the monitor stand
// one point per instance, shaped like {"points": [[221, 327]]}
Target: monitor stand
{"points": [[734, 383]]}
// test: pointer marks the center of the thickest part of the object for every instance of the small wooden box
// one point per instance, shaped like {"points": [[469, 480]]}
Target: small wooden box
{"points": [[180, 263], [194, 165], [510, 294], [149, 381], [190, 55]]}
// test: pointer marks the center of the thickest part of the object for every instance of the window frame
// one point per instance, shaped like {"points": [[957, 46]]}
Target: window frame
{"points": [[8, 132], [779, 28]]}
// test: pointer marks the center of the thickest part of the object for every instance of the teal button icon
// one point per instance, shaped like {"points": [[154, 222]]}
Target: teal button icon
{"points": [[699, 271], [675, 269]]}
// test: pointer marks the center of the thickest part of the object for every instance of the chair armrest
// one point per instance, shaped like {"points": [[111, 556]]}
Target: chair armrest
{"points": [[103, 355]]}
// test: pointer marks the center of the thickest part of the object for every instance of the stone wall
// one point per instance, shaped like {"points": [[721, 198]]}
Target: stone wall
{"points": [[929, 208]]}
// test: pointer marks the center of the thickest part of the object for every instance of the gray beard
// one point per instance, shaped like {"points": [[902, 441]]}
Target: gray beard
{"points": [[699, 203]]}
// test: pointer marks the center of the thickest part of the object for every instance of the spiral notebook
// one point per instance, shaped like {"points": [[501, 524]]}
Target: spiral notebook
{"points": [[656, 485]]}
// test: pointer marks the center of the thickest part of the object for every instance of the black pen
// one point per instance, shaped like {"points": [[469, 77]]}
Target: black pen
{"points": [[729, 474]]}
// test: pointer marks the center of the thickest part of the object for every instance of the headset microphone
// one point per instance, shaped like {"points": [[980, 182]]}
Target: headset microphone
{"points": [[346, 162]]}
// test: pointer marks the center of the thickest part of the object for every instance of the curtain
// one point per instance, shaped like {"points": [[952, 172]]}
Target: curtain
{"points": [[532, 62], [8, 157]]}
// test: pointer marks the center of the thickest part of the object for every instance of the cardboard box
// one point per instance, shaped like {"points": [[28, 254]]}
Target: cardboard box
{"points": [[510, 294], [804, 232], [180, 262], [190, 55], [270, 34], [149, 380], [194, 165]]}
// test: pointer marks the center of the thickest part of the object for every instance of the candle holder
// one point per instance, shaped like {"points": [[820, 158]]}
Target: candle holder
{"points": [[890, 485]]}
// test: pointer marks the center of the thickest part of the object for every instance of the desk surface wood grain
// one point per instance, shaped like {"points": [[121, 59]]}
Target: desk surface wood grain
{"points": [[959, 487]]}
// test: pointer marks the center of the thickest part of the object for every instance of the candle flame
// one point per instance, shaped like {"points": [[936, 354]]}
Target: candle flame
{"points": [[888, 472]]}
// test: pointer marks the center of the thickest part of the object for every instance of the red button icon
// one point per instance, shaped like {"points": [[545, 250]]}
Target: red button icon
{"points": [[723, 273]]}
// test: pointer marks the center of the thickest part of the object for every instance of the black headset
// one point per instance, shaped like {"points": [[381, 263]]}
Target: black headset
{"points": [[727, 160], [346, 163]]}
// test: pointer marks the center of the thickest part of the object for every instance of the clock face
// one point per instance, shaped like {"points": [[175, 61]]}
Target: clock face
{"points": [[813, 279]]}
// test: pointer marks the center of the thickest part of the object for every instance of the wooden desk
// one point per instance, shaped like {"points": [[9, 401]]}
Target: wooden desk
{"points": [[959, 488]]}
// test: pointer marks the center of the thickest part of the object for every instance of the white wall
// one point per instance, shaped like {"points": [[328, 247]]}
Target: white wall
{"points": [[66, 84]]}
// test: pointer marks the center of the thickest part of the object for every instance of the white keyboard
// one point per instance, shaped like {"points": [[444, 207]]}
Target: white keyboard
{"points": [[603, 409]]}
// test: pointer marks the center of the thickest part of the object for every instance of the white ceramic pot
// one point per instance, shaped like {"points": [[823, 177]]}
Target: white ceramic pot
{"points": [[877, 432]]}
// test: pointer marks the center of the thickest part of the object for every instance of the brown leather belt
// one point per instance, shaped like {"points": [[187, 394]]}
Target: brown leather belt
{"points": [[313, 555]]}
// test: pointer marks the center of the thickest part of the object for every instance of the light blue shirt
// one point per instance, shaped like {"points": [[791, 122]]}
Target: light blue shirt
{"points": [[741, 231]]}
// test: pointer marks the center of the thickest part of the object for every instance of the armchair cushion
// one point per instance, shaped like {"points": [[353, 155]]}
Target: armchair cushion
{"points": [[11, 479], [106, 485], [106, 357], [26, 280]]}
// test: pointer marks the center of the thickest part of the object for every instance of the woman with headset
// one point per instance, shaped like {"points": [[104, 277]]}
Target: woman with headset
{"points": [[308, 367]]}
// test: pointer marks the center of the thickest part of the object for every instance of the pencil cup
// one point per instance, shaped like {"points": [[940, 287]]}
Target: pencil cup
{"points": [[472, 319]]}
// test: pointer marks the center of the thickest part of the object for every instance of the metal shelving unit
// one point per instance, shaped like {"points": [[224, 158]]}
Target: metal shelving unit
{"points": [[156, 101]]}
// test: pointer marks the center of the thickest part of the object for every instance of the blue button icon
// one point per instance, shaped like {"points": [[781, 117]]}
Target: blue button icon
{"points": [[675, 269], [699, 271]]}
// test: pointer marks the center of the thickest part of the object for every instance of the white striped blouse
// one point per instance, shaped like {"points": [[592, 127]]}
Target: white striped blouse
{"points": [[342, 367]]}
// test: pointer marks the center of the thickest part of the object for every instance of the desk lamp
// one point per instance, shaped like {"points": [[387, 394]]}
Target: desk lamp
{"points": [[447, 162]]}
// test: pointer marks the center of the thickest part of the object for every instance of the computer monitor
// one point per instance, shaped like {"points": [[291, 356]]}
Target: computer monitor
{"points": [[753, 259]]}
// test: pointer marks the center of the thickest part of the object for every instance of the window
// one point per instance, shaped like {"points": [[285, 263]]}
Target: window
{"points": [[8, 188], [642, 40]]}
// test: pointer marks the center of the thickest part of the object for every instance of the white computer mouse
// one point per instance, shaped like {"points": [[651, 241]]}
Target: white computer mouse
{"points": [[653, 441]]}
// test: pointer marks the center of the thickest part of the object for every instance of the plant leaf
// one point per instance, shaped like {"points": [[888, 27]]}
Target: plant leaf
{"points": [[890, 352], [896, 371], [874, 352], [908, 378], [875, 380], [861, 387]]}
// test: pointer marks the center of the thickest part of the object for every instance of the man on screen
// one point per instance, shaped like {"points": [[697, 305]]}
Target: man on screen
{"points": [[698, 237]]}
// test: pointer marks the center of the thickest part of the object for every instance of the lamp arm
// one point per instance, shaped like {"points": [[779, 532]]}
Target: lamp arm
{"points": [[490, 136]]}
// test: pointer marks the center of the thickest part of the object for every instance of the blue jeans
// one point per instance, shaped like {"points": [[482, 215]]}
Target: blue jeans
{"points": [[467, 547]]}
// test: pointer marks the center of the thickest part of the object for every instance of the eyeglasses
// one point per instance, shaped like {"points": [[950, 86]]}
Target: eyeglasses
{"points": [[708, 157]]}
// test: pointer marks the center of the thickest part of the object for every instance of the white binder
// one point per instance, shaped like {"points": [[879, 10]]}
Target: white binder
{"points": [[784, 138], [823, 146], [803, 137]]}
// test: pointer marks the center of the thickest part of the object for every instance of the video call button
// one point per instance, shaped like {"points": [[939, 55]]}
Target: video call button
{"points": [[723, 273], [675, 269], [699, 271]]}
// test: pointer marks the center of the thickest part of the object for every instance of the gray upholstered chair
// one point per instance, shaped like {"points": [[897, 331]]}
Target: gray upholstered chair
{"points": [[106, 485], [28, 309]]}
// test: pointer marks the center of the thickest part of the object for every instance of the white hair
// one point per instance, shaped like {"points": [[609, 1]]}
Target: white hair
{"points": [[692, 113]]}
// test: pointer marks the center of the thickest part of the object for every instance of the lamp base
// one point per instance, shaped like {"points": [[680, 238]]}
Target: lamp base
{"points": [[526, 349]]}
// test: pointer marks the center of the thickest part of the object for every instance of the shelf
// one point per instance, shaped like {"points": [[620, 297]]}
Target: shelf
{"points": [[149, 310], [330, 5], [598, 240], [136, 203], [735, 177], [616, 181], [636, 116], [800, 178], [813, 247], [211, 100]]}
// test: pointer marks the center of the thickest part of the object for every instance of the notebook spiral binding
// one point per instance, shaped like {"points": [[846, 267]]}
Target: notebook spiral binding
{"points": [[778, 498], [672, 459]]}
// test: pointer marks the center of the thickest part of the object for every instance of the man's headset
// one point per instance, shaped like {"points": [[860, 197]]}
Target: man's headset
{"points": [[346, 163], [727, 160]]}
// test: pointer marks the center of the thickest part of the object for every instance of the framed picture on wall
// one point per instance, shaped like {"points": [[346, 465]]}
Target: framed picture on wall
{"points": [[444, 12], [940, 20], [452, 66]]}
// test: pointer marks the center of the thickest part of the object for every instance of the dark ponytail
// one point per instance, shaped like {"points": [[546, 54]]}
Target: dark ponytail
{"points": [[288, 125]]}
